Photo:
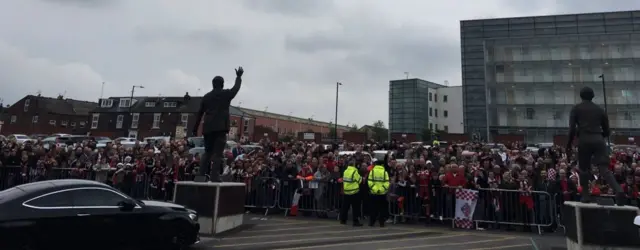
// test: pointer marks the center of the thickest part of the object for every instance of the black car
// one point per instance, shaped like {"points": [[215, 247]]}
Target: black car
{"points": [[91, 215]]}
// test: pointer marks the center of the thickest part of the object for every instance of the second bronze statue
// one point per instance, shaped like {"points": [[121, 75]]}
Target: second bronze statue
{"points": [[215, 109]]}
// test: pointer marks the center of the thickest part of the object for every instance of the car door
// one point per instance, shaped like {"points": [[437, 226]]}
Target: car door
{"points": [[106, 222], [55, 220]]}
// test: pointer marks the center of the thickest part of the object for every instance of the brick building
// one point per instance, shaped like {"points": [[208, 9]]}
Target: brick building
{"points": [[46, 115], [142, 117], [285, 125]]}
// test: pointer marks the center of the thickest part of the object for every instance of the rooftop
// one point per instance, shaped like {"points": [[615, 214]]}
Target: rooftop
{"points": [[288, 117], [432, 85]]}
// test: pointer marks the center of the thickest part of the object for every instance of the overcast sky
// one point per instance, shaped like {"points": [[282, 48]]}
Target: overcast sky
{"points": [[293, 51]]}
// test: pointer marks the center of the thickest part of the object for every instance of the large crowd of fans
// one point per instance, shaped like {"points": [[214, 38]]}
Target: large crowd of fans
{"points": [[517, 184]]}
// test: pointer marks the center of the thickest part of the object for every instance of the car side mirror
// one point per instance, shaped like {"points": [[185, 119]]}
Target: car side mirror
{"points": [[126, 205]]}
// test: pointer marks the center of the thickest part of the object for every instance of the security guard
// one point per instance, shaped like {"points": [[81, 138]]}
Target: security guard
{"points": [[351, 199], [378, 181]]}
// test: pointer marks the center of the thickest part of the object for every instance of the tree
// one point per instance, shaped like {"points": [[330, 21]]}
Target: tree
{"points": [[427, 133], [353, 128], [380, 133]]}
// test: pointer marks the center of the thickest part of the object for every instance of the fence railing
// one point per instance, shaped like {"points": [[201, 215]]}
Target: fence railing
{"points": [[495, 208]]}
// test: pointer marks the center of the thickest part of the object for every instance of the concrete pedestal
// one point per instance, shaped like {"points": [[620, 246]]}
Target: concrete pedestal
{"points": [[593, 226], [220, 206]]}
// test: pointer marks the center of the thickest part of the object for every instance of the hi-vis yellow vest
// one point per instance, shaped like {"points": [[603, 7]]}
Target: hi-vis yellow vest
{"points": [[351, 181], [378, 180]]}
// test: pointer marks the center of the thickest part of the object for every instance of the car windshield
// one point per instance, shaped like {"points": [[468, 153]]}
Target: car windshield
{"points": [[22, 137], [196, 141]]}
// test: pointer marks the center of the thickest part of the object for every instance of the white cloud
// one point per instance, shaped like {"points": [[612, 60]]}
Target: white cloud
{"points": [[22, 74]]}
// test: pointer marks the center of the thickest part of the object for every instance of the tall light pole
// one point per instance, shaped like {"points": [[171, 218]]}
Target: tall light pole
{"points": [[133, 89], [335, 132], [604, 95]]}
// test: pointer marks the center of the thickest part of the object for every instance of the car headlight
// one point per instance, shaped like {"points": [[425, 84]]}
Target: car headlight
{"points": [[193, 217]]}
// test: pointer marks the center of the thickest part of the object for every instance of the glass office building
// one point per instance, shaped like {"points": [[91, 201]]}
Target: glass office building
{"points": [[409, 106], [523, 75]]}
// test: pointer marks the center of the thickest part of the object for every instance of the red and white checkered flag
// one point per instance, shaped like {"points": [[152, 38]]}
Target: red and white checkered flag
{"points": [[466, 200]]}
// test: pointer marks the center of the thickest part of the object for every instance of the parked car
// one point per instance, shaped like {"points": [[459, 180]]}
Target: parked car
{"points": [[59, 141], [75, 213], [19, 138]]}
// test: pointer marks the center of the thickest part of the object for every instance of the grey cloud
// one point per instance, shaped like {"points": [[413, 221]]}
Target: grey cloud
{"points": [[319, 42], [383, 52], [291, 7], [214, 38], [85, 3]]}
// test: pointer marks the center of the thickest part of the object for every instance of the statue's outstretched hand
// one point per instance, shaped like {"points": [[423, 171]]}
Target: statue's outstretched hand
{"points": [[239, 71]]}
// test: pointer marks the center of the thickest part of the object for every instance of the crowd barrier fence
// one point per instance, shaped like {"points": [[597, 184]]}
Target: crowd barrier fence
{"points": [[495, 208]]}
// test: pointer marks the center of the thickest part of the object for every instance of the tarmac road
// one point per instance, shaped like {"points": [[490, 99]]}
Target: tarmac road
{"points": [[298, 233]]}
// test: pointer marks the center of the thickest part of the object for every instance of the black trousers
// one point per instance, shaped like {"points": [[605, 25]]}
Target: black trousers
{"points": [[593, 150], [379, 209], [352, 201], [214, 144]]}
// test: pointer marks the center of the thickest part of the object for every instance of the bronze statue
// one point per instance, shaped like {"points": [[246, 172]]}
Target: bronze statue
{"points": [[215, 108], [591, 125]]}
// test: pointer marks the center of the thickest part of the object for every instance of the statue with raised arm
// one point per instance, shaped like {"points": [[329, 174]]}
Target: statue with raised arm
{"points": [[215, 108]]}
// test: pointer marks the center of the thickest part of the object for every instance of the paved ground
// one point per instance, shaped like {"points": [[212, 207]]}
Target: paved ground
{"points": [[295, 233]]}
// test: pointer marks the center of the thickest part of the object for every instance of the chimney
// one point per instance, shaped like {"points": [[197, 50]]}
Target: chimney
{"points": [[187, 97]]}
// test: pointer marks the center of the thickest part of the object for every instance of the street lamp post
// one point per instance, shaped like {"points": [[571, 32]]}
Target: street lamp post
{"points": [[133, 89], [604, 97], [335, 132]]}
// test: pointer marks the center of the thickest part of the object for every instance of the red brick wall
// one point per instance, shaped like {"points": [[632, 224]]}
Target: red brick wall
{"points": [[507, 139], [285, 126], [409, 138], [454, 138], [355, 137]]}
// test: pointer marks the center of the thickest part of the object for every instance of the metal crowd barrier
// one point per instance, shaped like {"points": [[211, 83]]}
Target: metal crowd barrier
{"points": [[318, 196], [494, 207], [261, 193]]}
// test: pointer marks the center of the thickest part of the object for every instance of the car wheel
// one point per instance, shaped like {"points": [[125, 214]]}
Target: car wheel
{"points": [[181, 239]]}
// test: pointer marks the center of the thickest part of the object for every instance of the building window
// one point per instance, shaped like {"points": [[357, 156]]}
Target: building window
{"points": [[446, 129], [435, 97], [26, 105], [445, 98], [125, 102], [530, 113], [627, 116], [119, 121], [95, 118], [184, 118], [245, 126], [430, 111], [14, 119], [437, 127], [170, 104], [52, 122], [430, 126], [134, 120], [430, 97], [64, 123], [149, 104], [83, 123], [156, 120], [445, 113], [73, 124], [34, 119], [436, 112], [106, 103]]}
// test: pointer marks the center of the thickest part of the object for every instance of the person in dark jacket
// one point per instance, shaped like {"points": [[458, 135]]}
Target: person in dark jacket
{"points": [[215, 108]]}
